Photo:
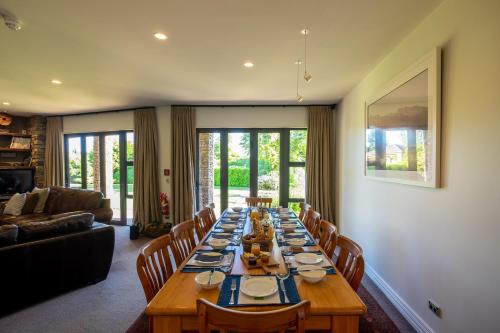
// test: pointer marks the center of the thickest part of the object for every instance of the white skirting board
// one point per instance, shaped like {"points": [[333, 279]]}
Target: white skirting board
{"points": [[406, 311]]}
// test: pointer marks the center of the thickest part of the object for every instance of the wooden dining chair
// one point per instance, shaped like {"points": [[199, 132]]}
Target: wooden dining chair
{"points": [[182, 240], [211, 316], [154, 265], [312, 222], [203, 221], [211, 206], [254, 201], [349, 261], [327, 237], [304, 207]]}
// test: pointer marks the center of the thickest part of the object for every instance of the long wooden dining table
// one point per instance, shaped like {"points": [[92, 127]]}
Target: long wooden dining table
{"points": [[335, 306]]}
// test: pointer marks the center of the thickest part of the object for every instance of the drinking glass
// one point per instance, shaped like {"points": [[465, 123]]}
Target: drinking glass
{"points": [[256, 249]]}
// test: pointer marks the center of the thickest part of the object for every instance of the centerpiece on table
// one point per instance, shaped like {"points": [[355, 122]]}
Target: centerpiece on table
{"points": [[262, 233]]}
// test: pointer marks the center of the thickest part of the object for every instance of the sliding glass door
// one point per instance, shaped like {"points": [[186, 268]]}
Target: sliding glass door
{"points": [[233, 164], [103, 162]]}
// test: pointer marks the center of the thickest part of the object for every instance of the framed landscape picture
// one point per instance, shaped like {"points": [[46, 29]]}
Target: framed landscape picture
{"points": [[402, 126]]}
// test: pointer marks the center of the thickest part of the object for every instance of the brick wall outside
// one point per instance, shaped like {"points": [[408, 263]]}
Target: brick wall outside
{"points": [[206, 169]]}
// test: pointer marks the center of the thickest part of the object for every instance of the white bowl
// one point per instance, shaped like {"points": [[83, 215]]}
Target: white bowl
{"points": [[202, 279], [314, 275], [228, 227], [218, 244], [237, 209]]}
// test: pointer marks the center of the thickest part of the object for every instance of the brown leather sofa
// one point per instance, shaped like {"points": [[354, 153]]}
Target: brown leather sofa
{"points": [[66, 200], [43, 259]]}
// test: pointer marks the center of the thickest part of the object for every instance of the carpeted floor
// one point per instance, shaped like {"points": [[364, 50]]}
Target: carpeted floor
{"points": [[108, 306], [114, 305]]}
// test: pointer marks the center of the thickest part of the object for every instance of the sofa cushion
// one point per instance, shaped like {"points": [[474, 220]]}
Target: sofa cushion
{"points": [[43, 194], [30, 204], [8, 234], [15, 204], [70, 200], [29, 231], [12, 219]]}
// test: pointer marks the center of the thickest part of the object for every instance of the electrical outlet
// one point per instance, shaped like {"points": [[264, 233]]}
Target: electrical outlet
{"points": [[434, 308]]}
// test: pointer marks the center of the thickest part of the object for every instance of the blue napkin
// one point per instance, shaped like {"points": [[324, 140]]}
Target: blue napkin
{"points": [[225, 292]]}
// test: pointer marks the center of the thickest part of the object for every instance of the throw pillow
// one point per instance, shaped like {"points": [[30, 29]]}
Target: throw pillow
{"points": [[30, 204], [15, 204], [43, 194]]}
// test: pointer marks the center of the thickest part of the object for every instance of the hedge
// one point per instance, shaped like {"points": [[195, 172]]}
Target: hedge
{"points": [[238, 177]]}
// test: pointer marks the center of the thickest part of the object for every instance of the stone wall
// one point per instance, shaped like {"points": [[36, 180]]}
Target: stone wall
{"points": [[206, 181], [37, 128]]}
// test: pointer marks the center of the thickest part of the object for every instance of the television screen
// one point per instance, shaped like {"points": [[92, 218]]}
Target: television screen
{"points": [[16, 181]]}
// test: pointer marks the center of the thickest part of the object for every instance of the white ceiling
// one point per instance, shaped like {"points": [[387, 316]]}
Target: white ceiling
{"points": [[104, 52]]}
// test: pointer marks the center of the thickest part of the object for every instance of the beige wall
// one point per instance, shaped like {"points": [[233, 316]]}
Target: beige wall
{"points": [[102, 122], [251, 117], [442, 244]]}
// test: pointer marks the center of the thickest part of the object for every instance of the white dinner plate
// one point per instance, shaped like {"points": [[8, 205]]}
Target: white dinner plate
{"points": [[214, 254], [259, 287], [308, 258]]}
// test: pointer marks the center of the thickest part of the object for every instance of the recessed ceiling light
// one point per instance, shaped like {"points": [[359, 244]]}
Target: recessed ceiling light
{"points": [[305, 31], [248, 64], [160, 36], [56, 81], [6, 103]]}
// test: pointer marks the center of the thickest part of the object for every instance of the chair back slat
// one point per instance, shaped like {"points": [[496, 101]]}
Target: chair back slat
{"points": [[327, 237], [212, 316], [255, 201], [304, 207], [203, 221], [212, 211], [182, 240], [350, 261], [154, 266], [312, 220]]}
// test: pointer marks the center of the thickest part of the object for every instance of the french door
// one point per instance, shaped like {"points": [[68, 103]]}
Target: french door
{"points": [[103, 162], [233, 164]]}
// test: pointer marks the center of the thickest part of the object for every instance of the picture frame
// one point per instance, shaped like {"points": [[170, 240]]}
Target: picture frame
{"points": [[403, 126], [20, 143]]}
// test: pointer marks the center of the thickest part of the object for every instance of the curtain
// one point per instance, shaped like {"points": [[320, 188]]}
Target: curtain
{"points": [[146, 193], [320, 166], [54, 162], [183, 161]]}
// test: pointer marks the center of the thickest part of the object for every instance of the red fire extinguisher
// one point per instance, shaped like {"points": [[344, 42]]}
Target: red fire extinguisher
{"points": [[165, 207]]}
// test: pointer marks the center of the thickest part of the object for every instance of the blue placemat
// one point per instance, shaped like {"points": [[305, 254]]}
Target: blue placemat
{"points": [[233, 241], [225, 292], [196, 269]]}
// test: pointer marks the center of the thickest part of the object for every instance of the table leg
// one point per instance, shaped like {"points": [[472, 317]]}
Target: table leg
{"points": [[166, 324], [345, 324]]}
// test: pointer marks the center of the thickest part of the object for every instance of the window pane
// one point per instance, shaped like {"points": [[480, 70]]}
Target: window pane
{"points": [[297, 182], [112, 161], [130, 146], [238, 168], [93, 163], [298, 143], [209, 170], [130, 180], [75, 162], [295, 206], [269, 166]]}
